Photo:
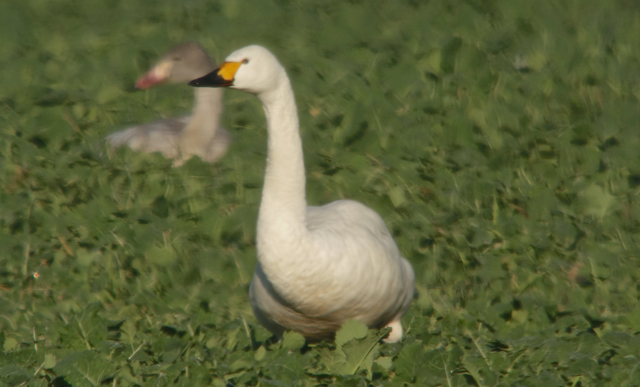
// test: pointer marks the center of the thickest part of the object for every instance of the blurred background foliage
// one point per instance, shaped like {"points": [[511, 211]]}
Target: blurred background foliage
{"points": [[499, 141]]}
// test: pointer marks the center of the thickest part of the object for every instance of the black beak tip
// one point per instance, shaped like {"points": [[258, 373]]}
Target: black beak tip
{"points": [[210, 80], [194, 83], [200, 82]]}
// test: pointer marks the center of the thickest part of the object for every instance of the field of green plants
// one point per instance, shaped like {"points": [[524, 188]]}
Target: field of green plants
{"points": [[499, 140]]}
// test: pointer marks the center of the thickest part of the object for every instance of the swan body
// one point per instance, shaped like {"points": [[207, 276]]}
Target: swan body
{"points": [[317, 266], [180, 138]]}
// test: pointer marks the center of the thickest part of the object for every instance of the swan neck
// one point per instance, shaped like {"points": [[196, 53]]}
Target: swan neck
{"points": [[283, 206]]}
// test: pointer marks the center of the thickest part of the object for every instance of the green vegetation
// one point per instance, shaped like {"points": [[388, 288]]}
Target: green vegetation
{"points": [[498, 140]]}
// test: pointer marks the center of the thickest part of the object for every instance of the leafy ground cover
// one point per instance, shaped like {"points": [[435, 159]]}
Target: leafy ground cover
{"points": [[498, 140]]}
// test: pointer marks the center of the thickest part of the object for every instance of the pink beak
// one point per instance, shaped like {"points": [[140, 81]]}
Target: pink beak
{"points": [[149, 79]]}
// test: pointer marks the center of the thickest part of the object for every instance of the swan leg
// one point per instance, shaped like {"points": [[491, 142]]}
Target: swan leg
{"points": [[396, 331]]}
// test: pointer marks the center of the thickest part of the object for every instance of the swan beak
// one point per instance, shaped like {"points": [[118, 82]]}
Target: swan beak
{"points": [[158, 74], [220, 77]]}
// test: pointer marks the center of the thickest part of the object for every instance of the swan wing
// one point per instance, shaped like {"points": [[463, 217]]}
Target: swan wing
{"points": [[369, 277], [350, 268], [159, 136]]}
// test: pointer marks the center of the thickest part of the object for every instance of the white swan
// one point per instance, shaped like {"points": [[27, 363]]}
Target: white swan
{"points": [[318, 266], [183, 137]]}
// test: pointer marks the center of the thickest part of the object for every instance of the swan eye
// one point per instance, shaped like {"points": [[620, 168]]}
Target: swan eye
{"points": [[245, 61]]}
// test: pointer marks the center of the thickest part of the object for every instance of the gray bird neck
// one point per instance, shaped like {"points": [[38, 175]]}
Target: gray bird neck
{"points": [[205, 119]]}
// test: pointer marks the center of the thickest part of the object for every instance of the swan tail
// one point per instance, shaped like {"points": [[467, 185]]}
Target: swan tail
{"points": [[396, 331]]}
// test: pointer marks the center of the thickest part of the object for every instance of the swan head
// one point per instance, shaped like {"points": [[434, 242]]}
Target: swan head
{"points": [[180, 65], [252, 69]]}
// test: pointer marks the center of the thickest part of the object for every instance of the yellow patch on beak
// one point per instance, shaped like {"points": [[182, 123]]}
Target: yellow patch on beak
{"points": [[227, 70]]}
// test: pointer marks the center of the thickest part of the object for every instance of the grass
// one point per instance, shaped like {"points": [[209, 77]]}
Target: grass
{"points": [[498, 140]]}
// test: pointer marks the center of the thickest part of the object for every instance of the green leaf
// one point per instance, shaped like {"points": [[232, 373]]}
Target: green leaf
{"points": [[240, 364], [162, 255], [49, 361], [292, 341], [356, 348], [260, 353], [86, 258], [360, 353], [232, 338], [409, 361], [581, 365], [351, 329], [128, 330], [13, 375], [396, 194], [10, 344], [431, 63], [333, 360], [108, 94], [84, 368], [596, 201]]}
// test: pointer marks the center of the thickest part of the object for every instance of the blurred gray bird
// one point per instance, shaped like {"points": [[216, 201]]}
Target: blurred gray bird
{"points": [[181, 138]]}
